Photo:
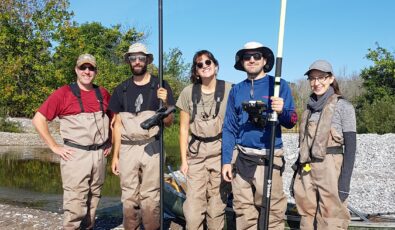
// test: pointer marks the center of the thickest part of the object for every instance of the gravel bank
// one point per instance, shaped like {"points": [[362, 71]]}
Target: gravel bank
{"points": [[372, 185], [373, 179], [29, 137]]}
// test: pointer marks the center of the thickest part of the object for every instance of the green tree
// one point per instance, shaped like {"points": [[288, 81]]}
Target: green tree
{"points": [[379, 79], [377, 117], [27, 30], [39, 44], [375, 106], [106, 44], [175, 70]]}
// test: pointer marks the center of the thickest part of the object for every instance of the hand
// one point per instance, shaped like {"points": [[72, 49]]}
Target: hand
{"points": [[107, 150], [65, 153], [184, 168], [343, 186], [115, 166], [227, 172], [277, 104], [162, 94], [112, 124], [343, 195]]}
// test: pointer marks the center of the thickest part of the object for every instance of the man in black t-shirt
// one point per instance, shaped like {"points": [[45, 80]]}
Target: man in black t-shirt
{"points": [[136, 150]]}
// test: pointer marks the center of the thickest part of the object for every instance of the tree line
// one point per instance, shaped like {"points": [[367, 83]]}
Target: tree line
{"points": [[372, 92], [39, 44]]}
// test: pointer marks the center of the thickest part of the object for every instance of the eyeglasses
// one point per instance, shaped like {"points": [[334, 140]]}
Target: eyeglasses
{"points": [[320, 78], [200, 64], [84, 67], [256, 56], [133, 58]]}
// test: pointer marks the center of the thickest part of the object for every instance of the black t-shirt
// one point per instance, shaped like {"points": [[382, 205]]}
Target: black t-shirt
{"points": [[138, 97]]}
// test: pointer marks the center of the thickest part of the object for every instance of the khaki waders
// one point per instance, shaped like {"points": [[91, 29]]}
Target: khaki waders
{"points": [[206, 192], [316, 189], [139, 172], [247, 197], [83, 175]]}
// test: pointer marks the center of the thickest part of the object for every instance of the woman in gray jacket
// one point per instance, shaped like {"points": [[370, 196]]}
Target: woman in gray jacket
{"points": [[327, 152]]}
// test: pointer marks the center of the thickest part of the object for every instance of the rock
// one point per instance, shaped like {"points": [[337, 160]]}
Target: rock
{"points": [[372, 184]]}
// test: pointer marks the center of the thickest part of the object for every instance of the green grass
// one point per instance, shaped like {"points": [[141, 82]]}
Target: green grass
{"points": [[172, 147], [9, 126]]}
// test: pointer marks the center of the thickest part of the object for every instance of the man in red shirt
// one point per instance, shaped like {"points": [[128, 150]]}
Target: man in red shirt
{"points": [[84, 127]]}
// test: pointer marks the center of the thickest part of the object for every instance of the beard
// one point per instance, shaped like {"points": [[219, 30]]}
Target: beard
{"points": [[138, 72]]}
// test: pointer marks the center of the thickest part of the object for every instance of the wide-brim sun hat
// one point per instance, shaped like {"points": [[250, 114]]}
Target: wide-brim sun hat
{"points": [[321, 65], [86, 59], [138, 48], [255, 46]]}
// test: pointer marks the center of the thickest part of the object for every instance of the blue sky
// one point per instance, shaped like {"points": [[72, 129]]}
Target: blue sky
{"points": [[340, 31]]}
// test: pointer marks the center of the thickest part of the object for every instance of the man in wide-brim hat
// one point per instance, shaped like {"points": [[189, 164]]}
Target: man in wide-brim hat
{"points": [[138, 48], [246, 131], [255, 47], [136, 150]]}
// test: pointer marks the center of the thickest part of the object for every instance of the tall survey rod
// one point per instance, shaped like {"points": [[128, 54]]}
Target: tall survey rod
{"points": [[160, 72], [273, 118]]}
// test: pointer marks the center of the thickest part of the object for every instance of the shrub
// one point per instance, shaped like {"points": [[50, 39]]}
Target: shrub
{"points": [[8, 126], [377, 117]]}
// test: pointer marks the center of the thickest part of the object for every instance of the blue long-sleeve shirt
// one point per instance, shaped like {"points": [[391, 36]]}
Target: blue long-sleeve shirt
{"points": [[238, 130]]}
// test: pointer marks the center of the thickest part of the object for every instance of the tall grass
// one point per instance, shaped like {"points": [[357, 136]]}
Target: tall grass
{"points": [[171, 143]]}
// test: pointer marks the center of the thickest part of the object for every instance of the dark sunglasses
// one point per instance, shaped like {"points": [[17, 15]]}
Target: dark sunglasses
{"points": [[200, 64], [256, 56], [134, 58], [84, 67]]}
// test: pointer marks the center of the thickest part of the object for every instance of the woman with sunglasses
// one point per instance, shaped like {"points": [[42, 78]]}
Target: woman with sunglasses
{"points": [[202, 107], [327, 144]]}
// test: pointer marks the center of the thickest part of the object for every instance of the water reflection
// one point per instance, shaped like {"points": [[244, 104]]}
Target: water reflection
{"points": [[30, 176]]}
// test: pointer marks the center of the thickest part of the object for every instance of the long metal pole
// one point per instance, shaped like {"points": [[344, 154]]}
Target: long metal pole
{"points": [[160, 70], [273, 119]]}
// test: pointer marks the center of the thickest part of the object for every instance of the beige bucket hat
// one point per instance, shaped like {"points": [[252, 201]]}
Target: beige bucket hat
{"points": [[138, 48]]}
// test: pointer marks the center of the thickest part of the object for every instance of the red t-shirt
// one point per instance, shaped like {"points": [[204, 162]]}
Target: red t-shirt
{"points": [[63, 102]]}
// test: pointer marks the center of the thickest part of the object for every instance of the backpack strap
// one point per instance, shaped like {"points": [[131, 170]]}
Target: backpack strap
{"points": [[196, 95], [219, 95], [75, 89]]}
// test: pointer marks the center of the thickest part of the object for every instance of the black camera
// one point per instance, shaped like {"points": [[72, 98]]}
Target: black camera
{"points": [[157, 117], [256, 112]]}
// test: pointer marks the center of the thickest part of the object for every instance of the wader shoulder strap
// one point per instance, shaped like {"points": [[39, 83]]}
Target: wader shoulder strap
{"points": [[197, 94], [219, 95], [153, 82], [99, 97], [75, 89], [125, 86]]}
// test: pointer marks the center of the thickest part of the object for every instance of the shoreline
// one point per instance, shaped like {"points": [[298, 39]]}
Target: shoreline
{"points": [[372, 184]]}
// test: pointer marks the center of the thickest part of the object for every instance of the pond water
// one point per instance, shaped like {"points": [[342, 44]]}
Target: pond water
{"points": [[30, 177]]}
